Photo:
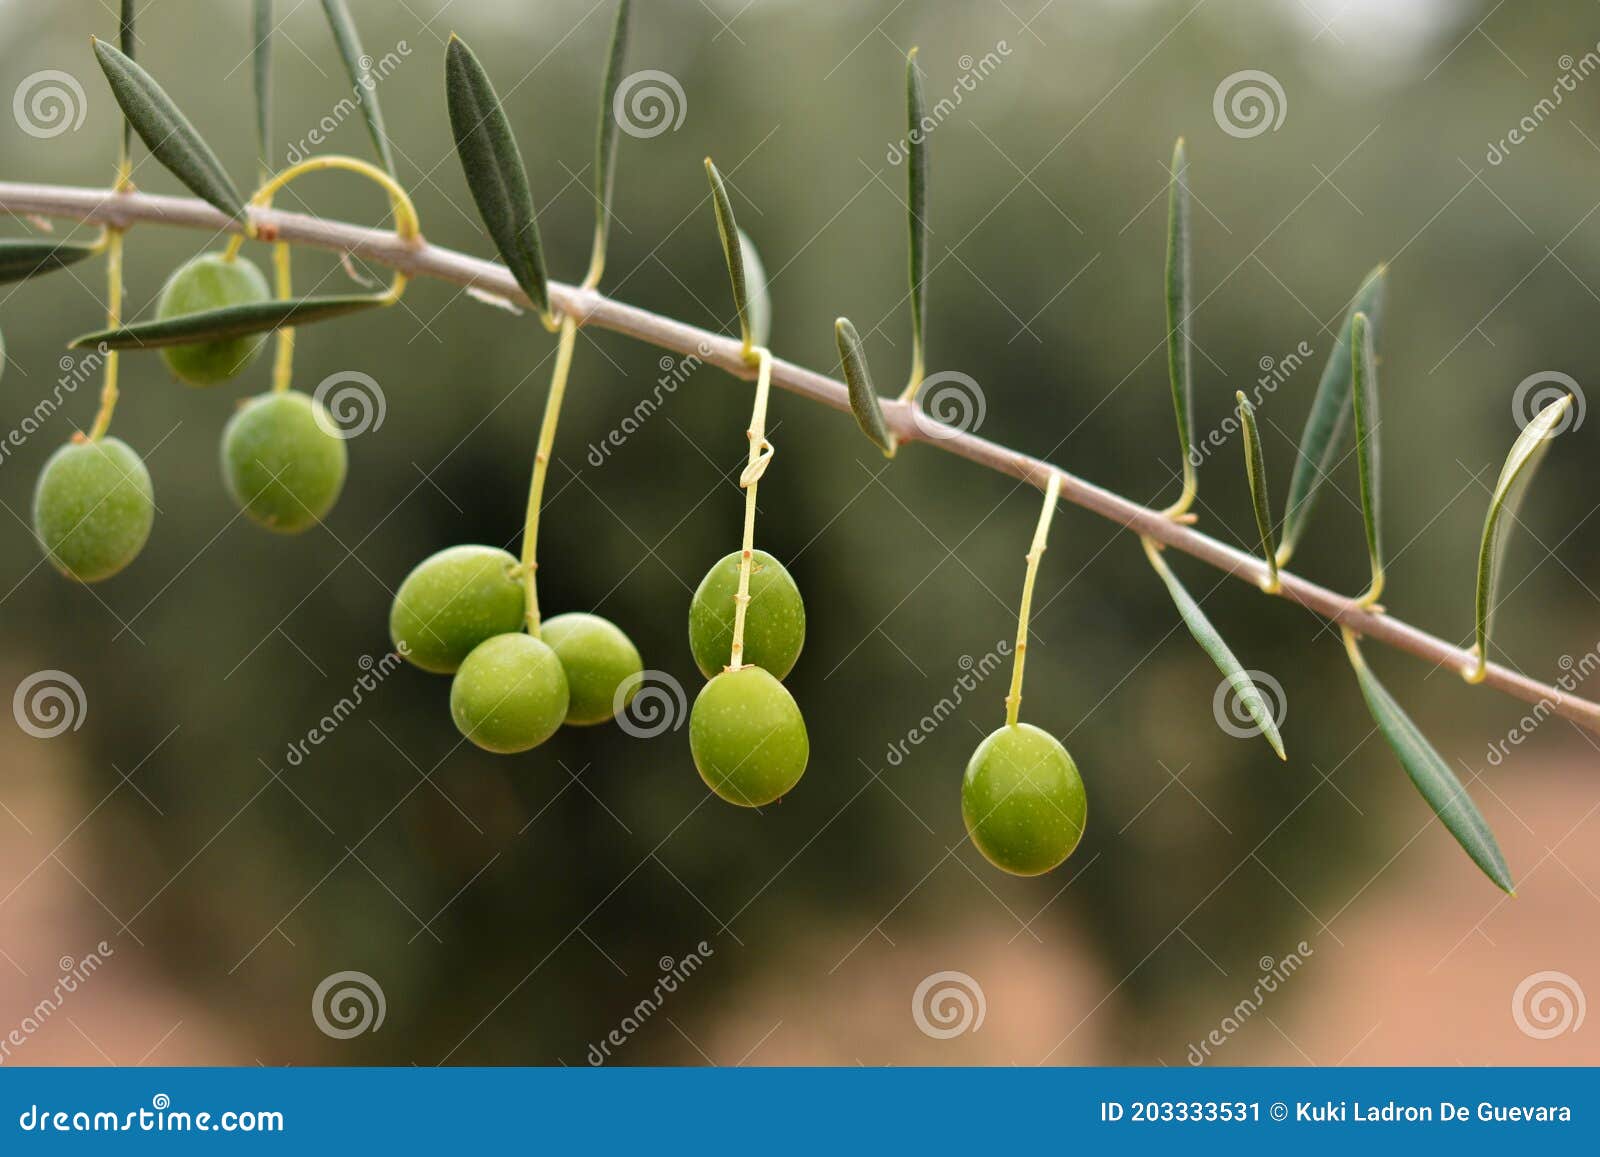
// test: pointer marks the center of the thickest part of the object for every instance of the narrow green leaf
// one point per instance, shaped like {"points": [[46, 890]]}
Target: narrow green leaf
{"points": [[1255, 468], [21, 259], [917, 204], [864, 403], [1180, 368], [494, 171], [1428, 770], [732, 252], [361, 81], [1323, 436], [1364, 394], [261, 60], [1526, 454], [126, 39], [605, 149], [232, 321], [1213, 644], [755, 283], [166, 132]]}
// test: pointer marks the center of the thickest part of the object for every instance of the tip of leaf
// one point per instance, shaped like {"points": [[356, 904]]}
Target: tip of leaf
{"points": [[1238, 396], [912, 55]]}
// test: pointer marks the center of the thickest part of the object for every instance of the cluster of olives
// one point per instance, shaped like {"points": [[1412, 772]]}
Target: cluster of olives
{"points": [[463, 611], [1023, 801], [283, 460], [746, 732]]}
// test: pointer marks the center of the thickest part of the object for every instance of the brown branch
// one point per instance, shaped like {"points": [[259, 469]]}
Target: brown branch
{"points": [[419, 259]]}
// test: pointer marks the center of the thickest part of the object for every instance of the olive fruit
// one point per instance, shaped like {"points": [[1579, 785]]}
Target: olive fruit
{"points": [[774, 623], [510, 694], [601, 663], [454, 600], [1023, 801], [93, 508], [748, 738], [283, 461], [211, 281]]}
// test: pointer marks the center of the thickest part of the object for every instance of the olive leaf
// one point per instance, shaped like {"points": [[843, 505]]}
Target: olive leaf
{"points": [[1428, 770], [755, 282], [1255, 468], [1364, 394], [232, 321], [605, 149], [126, 39], [166, 132], [361, 82], [261, 61], [1330, 414], [917, 214], [23, 258], [494, 170], [864, 403], [733, 254], [1180, 367], [1526, 454], [1212, 643]]}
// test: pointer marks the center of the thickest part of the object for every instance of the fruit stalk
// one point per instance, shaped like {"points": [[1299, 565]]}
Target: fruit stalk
{"points": [[1041, 533], [108, 387], [760, 454], [541, 467], [283, 353], [99, 206]]}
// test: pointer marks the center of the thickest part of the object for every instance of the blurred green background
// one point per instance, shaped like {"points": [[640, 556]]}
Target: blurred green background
{"points": [[516, 910]]}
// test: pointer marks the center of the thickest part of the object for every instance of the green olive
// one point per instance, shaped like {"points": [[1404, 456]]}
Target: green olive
{"points": [[601, 663], [211, 281], [510, 694], [1023, 800], [748, 737], [775, 620], [93, 508], [452, 601], [283, 460]]}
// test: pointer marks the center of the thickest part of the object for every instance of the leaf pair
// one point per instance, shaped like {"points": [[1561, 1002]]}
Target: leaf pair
{"points": [[497, 177], [864, 402]]}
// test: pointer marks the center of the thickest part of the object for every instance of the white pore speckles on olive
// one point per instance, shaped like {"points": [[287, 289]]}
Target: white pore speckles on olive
{"points": [[775, 620], [93, 508], [212, 281], [1023, 801], [748, 737], [281, 463], [510, 694], [454, 600]]}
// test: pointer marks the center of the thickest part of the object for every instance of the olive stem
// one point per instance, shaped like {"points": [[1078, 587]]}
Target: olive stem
{"points": [[761, 452], [100, 206], [283, 353], [1041, 533], [108, 386], [541, 467]]}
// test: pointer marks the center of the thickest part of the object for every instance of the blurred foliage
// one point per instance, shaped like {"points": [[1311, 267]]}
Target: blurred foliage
{"points": [[223, 645]]}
